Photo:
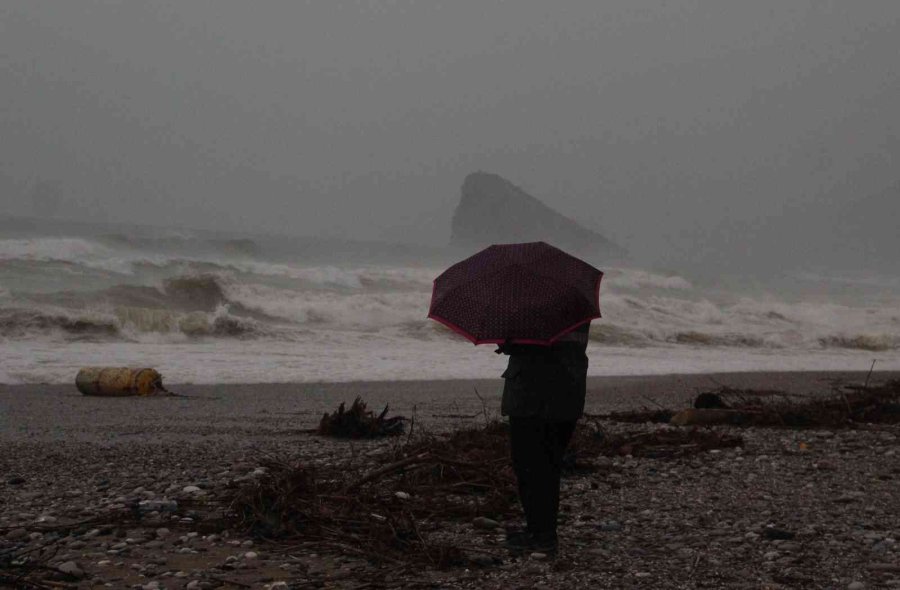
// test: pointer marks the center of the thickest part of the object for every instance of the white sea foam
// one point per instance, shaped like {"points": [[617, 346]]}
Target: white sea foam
{"points": [[748, 322], [630, 278], [127, 260], [77, 251], [333, 276], [344, 311], [231, 314], [51, 324]]}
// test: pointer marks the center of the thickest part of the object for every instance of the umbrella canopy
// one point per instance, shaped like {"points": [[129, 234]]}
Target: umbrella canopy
{"points": [[530, 293]]}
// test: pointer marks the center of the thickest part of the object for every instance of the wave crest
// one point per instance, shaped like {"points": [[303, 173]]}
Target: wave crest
{"points": [[869, 342], [23, 322], [130, 323]]}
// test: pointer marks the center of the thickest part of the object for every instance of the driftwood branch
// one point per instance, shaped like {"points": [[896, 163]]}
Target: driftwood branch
{"points": [[382, 471]]}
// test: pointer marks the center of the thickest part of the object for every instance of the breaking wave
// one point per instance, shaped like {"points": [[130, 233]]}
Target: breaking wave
{"points": [[624, 278], [237, 257], [23, 322], [192, 306], [868, 342], [128, 323], [184, 287], [76, 251], [653, 319]]}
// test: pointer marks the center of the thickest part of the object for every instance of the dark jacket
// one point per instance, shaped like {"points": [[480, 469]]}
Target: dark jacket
{"points": [[546, 381]]}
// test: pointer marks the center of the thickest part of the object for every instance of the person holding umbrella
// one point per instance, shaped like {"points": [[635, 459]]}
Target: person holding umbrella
{"points": [[536, 303]]}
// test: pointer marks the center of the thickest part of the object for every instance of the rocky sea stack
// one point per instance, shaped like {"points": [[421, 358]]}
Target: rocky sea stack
{"points": [[493, 210]]}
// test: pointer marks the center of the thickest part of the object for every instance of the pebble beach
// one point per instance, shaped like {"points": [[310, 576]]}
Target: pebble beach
{"points": [[788, 509]]}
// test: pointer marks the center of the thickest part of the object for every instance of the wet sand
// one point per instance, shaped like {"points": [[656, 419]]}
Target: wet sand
{"points": [[253, 413]]}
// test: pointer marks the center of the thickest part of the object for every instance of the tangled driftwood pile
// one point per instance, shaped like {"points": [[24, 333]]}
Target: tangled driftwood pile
{"points": [[360, 422], [388, 511], [644, 415], [660, 443], [845, 406]]}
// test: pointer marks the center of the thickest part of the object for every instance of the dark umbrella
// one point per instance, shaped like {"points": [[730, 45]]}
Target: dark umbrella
{"points": [[528, 293]]}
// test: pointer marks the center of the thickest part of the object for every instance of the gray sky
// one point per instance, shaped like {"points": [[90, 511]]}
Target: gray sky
{"points": [[663, 124]]}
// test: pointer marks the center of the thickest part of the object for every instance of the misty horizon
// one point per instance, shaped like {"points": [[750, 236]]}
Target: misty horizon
{"points": [[686, 131]]}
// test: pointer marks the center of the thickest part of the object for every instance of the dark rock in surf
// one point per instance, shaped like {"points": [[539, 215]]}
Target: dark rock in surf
{"points": [[492, 210]]}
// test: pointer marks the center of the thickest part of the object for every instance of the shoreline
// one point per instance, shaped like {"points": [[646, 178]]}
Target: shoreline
{"points": [[237, 413], [347, 357]]}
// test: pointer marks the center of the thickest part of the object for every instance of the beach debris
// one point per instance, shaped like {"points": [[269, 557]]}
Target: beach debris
{"points": [[313, 504], [845, 406], [360, 422], [157, 505], [461, 477], [706, 416], [775, 534], [393, 509], [119, 381], [644, 415], [485, 523], [659, 443]]}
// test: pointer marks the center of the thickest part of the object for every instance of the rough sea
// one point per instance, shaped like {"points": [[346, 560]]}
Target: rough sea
{"points": [[206, 307]]}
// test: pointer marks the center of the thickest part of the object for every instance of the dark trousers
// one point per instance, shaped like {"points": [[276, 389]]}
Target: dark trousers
{"points": [[537, 451]]}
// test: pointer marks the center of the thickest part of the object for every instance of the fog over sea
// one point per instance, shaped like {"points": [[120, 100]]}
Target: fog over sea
{"points": [[207, 307]]}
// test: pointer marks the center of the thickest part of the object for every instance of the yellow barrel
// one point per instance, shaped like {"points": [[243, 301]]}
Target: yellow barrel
{"points": [[118, 381]]}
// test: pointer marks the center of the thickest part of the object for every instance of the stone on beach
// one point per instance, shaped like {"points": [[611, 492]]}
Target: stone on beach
{"points": [[70, 568]]}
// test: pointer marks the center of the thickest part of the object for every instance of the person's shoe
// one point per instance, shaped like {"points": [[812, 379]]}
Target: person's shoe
{"points": [[546, 543], [518, 541], [527, 542]]}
